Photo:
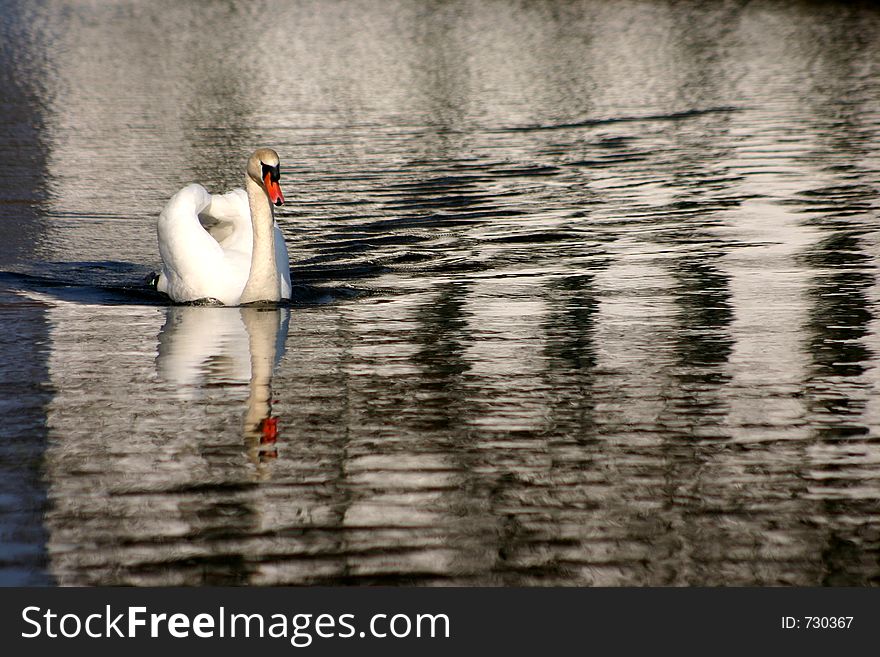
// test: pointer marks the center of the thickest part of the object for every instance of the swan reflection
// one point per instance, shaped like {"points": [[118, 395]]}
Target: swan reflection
{"points": [[202, 349]]}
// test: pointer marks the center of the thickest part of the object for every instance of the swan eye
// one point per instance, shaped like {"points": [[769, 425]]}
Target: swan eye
{"points": [[274, 173]]}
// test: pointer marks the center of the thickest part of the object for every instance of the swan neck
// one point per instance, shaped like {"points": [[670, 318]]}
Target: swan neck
{"points": [[263, 283]]}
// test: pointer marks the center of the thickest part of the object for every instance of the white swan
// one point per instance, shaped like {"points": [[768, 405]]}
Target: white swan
{"points": [[201, 348], [226, 247]]}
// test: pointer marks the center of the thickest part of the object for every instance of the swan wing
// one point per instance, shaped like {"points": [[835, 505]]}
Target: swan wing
{"points": [[227, 218], [194, 264], [282, 262]]}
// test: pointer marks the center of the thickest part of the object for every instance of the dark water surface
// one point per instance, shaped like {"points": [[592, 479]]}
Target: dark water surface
{"points": [[585, 293]]}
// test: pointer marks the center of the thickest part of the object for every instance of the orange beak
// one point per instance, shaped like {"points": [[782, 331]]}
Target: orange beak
{"points": [[274, 190], [268, 430]]}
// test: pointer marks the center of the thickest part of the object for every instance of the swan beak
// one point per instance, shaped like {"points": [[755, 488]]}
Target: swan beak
{"points": [[273, 189], [268, 430]]}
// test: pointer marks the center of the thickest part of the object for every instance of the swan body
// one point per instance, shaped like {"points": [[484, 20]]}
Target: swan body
{"points": [[226, 247]]}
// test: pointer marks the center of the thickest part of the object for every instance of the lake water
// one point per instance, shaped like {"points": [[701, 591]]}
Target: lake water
{"points": [[585, 293]]}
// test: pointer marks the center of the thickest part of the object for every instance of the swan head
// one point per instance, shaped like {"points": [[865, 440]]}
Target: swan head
{"points": [[265, 168]]}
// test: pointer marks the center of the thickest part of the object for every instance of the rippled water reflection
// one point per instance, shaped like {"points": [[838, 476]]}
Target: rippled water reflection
{"points": [[585, 293]]}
